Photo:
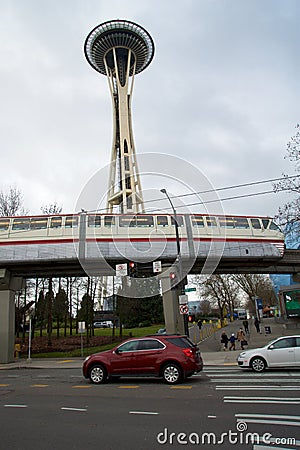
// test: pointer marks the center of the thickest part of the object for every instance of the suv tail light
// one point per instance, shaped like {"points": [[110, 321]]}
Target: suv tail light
{"points": [[188, 352]]}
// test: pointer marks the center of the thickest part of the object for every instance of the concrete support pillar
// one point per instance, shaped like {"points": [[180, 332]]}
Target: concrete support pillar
{"points": [[173, 319], [8, 286]]}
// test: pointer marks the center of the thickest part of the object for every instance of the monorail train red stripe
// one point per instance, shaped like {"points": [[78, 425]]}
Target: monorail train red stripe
{"points": [[143, 239]]}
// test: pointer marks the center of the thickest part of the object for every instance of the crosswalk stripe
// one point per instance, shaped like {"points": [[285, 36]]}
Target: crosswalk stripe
{"points": [[259, 388], [249, 380]]}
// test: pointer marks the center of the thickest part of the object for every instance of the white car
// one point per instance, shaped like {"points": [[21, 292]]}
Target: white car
{"points": [[281, 352]]}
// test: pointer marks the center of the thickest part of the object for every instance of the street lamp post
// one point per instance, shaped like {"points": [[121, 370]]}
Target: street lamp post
{"points": [[164, 191]]}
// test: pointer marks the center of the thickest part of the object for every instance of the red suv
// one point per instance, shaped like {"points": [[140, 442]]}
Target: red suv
{"points": [[172, 357]]}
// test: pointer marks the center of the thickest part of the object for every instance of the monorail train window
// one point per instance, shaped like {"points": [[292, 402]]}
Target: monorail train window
{"points": [[211, 221], [38, 223], [55, 222], [241, 222], [109, 221], [255, 224], [4, 224], [227, 222], [265, 223], [162, 221], [198, 221], [94, 221], [71, 222], [273, 226], [144, 221], [179, 221], [127, 221], [21, 224]]}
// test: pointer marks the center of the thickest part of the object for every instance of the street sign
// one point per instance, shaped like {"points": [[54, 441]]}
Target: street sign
{"points": [[121, 270], [81, 327], [183, 309], [157, 266], [183, 299], [190, 289]]}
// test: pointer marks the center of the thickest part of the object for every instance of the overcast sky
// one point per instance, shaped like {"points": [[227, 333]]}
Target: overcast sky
{"points": [[222, 93]]}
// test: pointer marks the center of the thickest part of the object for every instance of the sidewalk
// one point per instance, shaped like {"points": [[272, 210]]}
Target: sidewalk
{"points": [[211, 348]]}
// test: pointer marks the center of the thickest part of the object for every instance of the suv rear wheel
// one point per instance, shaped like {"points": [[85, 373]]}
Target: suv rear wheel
{"points": [[98, 374], [172, 373]]}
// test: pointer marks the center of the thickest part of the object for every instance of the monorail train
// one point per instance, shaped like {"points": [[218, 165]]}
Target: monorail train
{"points": [[142, 237]]}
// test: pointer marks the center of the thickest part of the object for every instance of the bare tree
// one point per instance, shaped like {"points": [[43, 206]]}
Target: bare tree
{"points": [[289, 214], [256, 286], [52, 208], [224, 291], [11, 203]]}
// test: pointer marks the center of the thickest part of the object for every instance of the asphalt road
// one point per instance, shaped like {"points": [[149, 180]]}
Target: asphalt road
{"points": [[58, 409]]}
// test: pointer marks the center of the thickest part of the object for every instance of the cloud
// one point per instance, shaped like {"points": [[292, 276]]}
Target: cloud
{"points": [[222, 92]]}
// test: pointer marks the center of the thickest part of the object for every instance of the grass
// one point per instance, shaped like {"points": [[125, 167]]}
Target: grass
{"points": [[134, 332]]}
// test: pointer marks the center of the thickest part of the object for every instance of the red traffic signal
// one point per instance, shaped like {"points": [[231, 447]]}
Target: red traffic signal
{"points": [[173, 280], [132, 269]]}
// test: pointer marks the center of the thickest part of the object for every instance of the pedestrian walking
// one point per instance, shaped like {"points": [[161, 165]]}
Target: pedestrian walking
{"points": [[241, 338], [257, 324], [199, 323], [224, 340], [246, 326], [232, 340]]}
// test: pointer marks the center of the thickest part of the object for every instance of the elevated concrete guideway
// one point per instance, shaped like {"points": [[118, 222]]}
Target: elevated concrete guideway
{"points": [[57, 266]]}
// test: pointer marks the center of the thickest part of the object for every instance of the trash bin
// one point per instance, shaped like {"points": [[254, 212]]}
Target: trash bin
{"points": [[267, 330]]}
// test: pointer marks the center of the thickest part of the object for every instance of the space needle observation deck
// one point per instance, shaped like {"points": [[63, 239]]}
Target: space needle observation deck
{"points": [[121, 49]]}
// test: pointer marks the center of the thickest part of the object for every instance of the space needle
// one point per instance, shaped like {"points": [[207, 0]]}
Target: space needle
{"points": [[121, 49]]}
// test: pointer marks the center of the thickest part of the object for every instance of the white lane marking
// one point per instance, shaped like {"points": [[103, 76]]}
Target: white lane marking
{"points": [[15, 406], [65, 408], [211, 417], [266, 447], [250, 380], [278, 400], [284, 402], [271, 422], [258, 388], [149, 413], [269, 416], [273, 419], [255, 375]]}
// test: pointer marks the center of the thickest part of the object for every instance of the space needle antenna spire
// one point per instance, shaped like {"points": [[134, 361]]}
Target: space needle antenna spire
{"points": [[120, 49]]}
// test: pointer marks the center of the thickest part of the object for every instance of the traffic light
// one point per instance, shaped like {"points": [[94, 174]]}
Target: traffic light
{"points": [[173, 279], [132, 269]]}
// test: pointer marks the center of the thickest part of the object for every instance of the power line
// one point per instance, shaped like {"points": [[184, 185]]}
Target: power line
{"points": [[237, 186], [205, 202]]}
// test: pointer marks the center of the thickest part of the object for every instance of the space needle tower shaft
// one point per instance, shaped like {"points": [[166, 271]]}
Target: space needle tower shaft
{"points": [[121, 49]]}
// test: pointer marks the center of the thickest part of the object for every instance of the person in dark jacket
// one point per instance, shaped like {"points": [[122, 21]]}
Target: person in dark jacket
{"points": [[224, 340], [246, 326], [232, 340], [257, 324]]}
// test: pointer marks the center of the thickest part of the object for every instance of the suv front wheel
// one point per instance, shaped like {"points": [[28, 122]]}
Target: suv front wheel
{"points": [[98, 374], [172, 373]]}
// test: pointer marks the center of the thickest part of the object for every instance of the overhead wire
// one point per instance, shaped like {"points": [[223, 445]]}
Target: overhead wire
{"points": [[237, 186]]}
